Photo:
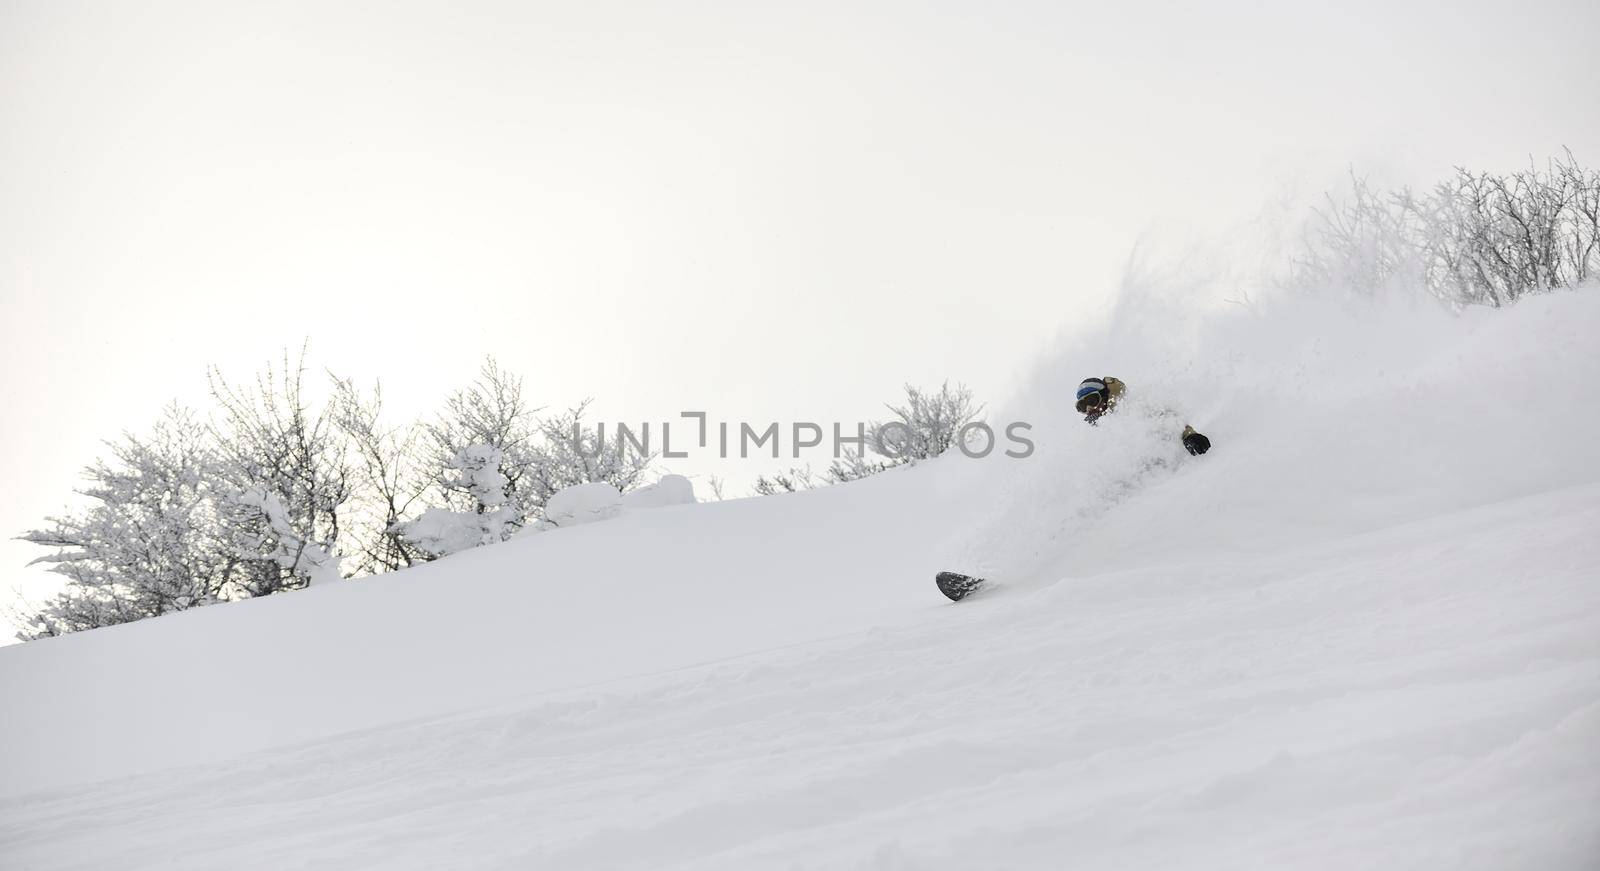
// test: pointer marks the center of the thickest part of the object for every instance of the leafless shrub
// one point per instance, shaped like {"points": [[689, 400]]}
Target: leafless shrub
{"points": [[926, 425], [1476, 238]]}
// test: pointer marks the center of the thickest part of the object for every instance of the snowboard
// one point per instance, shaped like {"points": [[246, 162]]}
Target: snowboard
{"points": [[956, 585]]}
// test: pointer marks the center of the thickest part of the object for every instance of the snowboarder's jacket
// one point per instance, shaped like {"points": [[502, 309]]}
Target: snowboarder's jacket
{"points": [[1097, 396]]}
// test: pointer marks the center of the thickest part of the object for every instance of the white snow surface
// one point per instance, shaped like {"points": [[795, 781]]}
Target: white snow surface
{"points": [[1363, 632]]}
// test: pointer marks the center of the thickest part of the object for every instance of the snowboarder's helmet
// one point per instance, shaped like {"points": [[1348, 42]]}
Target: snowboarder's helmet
{"points": [[1091, 394]]}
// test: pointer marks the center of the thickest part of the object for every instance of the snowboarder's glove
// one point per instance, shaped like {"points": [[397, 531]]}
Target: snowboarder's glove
{"points": [[1194, 442]]}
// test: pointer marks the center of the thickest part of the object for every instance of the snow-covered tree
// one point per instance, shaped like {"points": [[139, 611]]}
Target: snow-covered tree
{"points": [[488, 419], [474, 470], [149, 544], [288, 476], [274, 538], [496, 464], [275, 492]]}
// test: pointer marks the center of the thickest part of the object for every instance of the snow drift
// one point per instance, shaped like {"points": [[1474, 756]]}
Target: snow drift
{"points": [[1364, 631]]}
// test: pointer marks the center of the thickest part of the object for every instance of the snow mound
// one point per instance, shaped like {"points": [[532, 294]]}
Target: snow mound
{"points": [[583, 503], [670, 490], [443, 532], [595, 501]]}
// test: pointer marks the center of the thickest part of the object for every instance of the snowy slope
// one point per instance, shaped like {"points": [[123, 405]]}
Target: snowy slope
{"points": [[1363, 632]]}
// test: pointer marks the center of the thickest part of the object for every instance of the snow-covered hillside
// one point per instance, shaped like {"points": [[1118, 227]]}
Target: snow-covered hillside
{"points": [[1364, 631]]}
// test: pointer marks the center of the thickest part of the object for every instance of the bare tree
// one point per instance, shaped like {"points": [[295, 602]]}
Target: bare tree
{"points": [[1359, 241], [391, 478], [1581, 233]]}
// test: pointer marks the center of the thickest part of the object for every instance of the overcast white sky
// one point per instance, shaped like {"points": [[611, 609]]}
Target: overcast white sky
{"points": [[770, 211]]}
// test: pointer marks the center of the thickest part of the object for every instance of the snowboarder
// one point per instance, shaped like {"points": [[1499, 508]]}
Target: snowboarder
{"points": [[1098, 396]]}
